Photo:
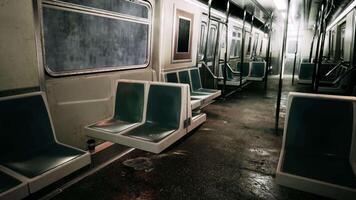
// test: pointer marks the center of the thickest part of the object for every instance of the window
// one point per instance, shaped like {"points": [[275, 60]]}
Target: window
{"points": [[332, 44], [248, 46], [183, 34], [261, 47], [235, 43], [255, 43], [212, 42], [202, 40], [79, 39], [342, 40]]}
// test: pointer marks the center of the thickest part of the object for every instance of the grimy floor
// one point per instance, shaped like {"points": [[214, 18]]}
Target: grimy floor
{"points": [[233, 155]]}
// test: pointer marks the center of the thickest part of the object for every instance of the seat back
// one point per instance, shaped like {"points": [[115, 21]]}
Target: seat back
{"points": [[7, 182], [258, 69], [129, 102], [164, 105], [246, 68], [172, 77], [319, 125], [306, 71], [25, 127], [196, 81], [184, 78]]}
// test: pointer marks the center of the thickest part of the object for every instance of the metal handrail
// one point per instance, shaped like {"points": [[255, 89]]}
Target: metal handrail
{"points": [[211, 73]]}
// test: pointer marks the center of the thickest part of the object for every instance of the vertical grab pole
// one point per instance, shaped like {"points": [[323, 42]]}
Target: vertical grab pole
{"points": [[295, 53], [205, 58], [251, 36], [312, 44], [242, 48], [278, 107], [316, 65], [207, 34], [321, 51], [226, 43], [268, 57]]}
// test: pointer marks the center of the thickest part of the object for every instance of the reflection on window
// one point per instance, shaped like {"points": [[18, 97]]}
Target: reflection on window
{"points": [[202, 40], [235, 44], [332, 44], [211, 42], [255, 42], [261, 47], [248, 46], [342, 40], [84, 41]]}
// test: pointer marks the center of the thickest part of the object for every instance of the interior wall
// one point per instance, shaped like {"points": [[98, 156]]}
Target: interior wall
{"points": [[167, 31], [76, 102], [18, 61]]}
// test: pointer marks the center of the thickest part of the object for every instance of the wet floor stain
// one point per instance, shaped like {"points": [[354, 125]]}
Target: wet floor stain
{"points": [[233, 155]]}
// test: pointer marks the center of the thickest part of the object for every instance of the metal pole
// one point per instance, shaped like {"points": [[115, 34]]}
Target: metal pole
{"points": [[320, 59], [278, 107], [207, 34], [226, 43], [242, 47], [251, 36], [268, 57], [315, 31], [295, 53], [315, 69]]}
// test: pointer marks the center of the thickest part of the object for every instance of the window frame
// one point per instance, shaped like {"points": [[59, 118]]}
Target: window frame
{"points": [[238, 37], [182, 56], [202, 40], [70, 7]]}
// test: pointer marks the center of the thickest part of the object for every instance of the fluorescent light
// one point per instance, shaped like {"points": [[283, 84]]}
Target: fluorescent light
{"points": [[280, 4]]}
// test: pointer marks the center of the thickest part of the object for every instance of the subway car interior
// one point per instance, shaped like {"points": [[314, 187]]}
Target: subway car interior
{"points": [[177, 99]]}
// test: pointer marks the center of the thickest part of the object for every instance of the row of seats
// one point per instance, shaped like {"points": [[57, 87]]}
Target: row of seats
{"points": [[252, 71], [31, 157], [200, 96], [148, 115], [334, 78], [319, 145]]}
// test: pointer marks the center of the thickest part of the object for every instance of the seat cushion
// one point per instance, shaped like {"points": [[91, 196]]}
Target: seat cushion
{"points": [[40, 162], [7, 182], [327, 168], [150, 132], [113, 125], [211, 91]]}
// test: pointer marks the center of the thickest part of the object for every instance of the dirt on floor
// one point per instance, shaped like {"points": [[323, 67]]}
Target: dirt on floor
{"points": [[233, 155]]}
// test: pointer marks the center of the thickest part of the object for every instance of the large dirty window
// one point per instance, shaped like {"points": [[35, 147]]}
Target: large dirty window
{"points": [[83, 36]]}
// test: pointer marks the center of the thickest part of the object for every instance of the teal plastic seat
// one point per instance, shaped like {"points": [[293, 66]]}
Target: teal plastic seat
{"points": [[129, 104], [246, 68], [317, 149], [172, 77], [197, 86], [28, 145], [258, 69], [184, 78], [163, 114], [231, 79], [306, 72], [7, 182]]}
